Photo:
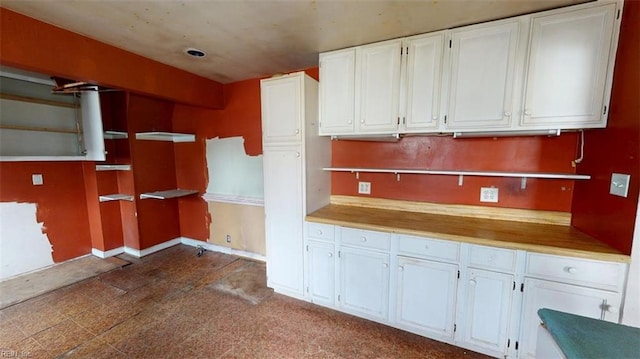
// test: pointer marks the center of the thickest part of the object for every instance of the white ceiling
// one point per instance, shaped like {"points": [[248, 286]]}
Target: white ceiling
{"points": [[255, 38]]}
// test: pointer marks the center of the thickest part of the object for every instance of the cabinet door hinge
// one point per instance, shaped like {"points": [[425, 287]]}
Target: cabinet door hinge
{"points": [[445, 119], [508, 343], [516, 345], [338, 257], [307, 247], [338, 297], [604, 112], [401, 50], [618, 16], [307, 289], [522, 287], [407, 52], [455, 327], [398, 120], [450, 43], [514, 285], [458, 274]]}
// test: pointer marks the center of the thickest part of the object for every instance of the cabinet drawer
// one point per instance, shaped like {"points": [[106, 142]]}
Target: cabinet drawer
{"points": [[492, 258], [599, 274], [320, 231], [364, 238], [428, 248]]}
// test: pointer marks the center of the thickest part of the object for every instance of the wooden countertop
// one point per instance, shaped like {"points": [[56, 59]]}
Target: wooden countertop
{"points": [[534, 237]]}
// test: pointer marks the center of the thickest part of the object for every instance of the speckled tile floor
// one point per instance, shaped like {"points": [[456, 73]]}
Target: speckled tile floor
{"points": [[173, 304]]}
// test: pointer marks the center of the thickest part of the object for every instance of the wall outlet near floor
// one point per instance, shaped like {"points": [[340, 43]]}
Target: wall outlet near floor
{"points": [[489, 194], [228, 238], [364, 187], [619, 184]]}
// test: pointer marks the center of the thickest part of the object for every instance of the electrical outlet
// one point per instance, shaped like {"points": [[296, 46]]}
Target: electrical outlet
{"points": [[364, 187], [489, 194], [37, 180], [619, 184], [228, 238]]}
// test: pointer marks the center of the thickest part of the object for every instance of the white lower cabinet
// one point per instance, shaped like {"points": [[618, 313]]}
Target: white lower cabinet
{"points": [[487, 308], [588, 302], [364, 282], [477, 297], [426, 297]]}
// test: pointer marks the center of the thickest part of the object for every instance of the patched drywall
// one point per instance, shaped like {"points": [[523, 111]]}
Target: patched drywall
{"points": [[231, 171], [23, 245], [243, 223]]}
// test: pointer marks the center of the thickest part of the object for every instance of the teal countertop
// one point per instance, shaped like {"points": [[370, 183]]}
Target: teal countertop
{"points": [[581, 337]]}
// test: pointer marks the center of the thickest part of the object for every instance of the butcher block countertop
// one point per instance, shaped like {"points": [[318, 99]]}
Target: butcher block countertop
{"points": [[534, 237]]}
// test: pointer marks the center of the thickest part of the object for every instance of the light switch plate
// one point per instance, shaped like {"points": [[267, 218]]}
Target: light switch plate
{"points": [[619, 184], [364, 187], [36, 179]]}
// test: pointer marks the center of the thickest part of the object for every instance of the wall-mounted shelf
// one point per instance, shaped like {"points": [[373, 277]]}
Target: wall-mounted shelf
{"points": [[522, 175], [166, 136], [39, 129], [115, 197], [113, 167], [115, 135], [172, 193]]}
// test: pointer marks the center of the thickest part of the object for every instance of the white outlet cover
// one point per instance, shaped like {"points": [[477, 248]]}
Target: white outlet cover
{"points": [[364, 187], [489, 194], [619, 184], [37, 179]]}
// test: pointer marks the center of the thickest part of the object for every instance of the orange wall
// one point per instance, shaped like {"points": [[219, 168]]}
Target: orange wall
{"points": [[33, 45], [61, 202], [615, 149]]}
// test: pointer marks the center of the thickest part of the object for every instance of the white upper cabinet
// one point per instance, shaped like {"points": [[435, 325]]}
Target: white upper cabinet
{"points": [[567, 70], [281, 100], [483, 66], [423, 80], [378, 87], [337, 92]]}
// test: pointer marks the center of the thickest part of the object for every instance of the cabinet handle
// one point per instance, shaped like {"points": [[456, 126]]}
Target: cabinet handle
{"points": [[361, 121], [435, 118], [400, 268], [330, 254], [527, 112], [426, 246], [319, 232], [349, 122], [508, 114], [472, 282], [364, 239], [386, 265], [297, 131], [571, 270], [297, 154]]}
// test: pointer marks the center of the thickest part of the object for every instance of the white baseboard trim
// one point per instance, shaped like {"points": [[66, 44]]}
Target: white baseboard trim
{"points": [[158, 247], [107, 254], [217, 248]]}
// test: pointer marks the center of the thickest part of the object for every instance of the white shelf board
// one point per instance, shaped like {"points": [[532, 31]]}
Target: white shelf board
{"points": [[398, 171], [115, 197], [172, 193], [115, 135], [113, 167], [166, 136]]}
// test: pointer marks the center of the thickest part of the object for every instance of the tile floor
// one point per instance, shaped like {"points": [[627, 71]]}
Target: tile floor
{"points": [[173, 304]]}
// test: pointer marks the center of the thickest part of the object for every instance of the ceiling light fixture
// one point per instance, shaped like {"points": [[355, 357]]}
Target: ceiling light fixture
{"points": [[195, 52]]}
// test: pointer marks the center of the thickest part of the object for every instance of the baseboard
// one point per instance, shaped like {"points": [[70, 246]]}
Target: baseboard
{"points": [[216, 248], [158, 247], [106, 254]]}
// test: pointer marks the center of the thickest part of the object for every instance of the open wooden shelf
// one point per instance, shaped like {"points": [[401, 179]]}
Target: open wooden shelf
{"points": [[172, 193], [39, 129], [166, 136], [115, 135], [115, 197]]}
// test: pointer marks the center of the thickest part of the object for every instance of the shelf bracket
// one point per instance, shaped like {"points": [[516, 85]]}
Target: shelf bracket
{"points": [[397, 176], [523, 183], [460, 180], [357, 175]]}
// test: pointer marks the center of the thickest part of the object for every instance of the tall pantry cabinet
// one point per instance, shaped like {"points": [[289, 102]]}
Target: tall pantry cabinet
{"points": [[294, 183]]}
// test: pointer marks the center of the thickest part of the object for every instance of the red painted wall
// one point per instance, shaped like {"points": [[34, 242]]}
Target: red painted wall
{"points": [[615, 149], [36, 46], [61, 201]]}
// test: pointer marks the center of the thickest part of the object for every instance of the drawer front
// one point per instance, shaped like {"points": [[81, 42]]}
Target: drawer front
{"points": [[492, 258], [320, 231], [365, 239], [428, 248], [599, 274]]}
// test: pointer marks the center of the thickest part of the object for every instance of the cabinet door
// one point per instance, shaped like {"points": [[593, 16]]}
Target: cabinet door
{"points": [[364, 282], [567, 71], [337, 92], [482, 76], [426, 296], [423, 83], [321, 270], [487, 309], [281, 109], [378, 90], [588, 302], [283, 218]]}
